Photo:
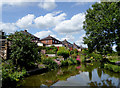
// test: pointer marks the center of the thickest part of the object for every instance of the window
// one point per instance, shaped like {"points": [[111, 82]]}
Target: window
{"points": [[53, 40], [46, 41]]}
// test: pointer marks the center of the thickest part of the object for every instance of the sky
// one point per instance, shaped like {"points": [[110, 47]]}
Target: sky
{"points": [[62, 20]]}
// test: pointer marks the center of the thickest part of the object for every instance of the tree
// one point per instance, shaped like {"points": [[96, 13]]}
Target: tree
{"points": [[24, 53], [102, 26]]}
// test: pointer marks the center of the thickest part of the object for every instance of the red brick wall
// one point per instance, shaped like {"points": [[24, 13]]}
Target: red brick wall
{"points": [[48, 42]]}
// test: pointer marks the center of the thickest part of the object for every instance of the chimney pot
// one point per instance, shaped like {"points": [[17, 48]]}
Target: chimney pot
{"points": [[25, 30]]}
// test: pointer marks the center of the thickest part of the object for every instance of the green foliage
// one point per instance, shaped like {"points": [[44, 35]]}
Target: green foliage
{"points": [[102, 27], [63, 52], [64, 63], [24, 53], [96, 56], [74, 55], [92, 56], [50, 63], [71, 61], [82, 58], [113, 58], [51, 50], [114, 68], [40, 48], [11, 75]]}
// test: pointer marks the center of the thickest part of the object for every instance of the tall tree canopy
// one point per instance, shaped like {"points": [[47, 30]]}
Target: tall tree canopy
{"points": [[102, 26], [24, 53]]}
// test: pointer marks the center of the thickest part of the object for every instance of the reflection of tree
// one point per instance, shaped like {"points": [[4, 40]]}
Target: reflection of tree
{"points": [[90, 75], [99, 71], [104, 84], [49, 78], [118, 84]]}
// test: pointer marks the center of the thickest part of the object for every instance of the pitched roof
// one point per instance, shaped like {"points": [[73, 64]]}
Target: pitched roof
{"points": [[76, 45], [50, 38], [66, 42], [27, 33]]}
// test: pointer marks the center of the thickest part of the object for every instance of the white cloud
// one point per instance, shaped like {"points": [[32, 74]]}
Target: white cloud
{"points": [[49, 20], [47, 4], [75, 24], [25, 22], [8, 27], [42, 34], [14, 2], [69, 38], [80, 41]]}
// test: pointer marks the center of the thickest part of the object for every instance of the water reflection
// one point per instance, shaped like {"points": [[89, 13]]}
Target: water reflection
{"points": [[83, 75]]}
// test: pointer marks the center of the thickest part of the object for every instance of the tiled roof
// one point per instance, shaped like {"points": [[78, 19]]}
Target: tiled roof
{"points": [[27, 33], [49, 38], [66, 42], [76, 45]]}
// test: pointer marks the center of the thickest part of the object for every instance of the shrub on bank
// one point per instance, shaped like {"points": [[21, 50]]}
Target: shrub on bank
{"points": [[69, 61], [63, 52], [51, 64], [51, 50], [11, 75], [114, 68]]}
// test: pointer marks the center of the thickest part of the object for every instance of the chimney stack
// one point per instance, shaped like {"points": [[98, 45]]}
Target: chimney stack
{"points": [[25, 30]]}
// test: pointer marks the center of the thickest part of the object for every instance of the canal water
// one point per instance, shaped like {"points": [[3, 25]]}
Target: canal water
{"points": [[89, 74]]}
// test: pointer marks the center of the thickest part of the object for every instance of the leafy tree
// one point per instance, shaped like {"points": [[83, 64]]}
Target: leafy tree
{"points": [[102, 26], [24, 53]]}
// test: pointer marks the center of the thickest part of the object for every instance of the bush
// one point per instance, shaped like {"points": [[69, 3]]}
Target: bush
{"points": [[74, 55], [94, 56], [111, 67], [64, 63], [63, 52], [51, 50], [72, 61], [82, 58], [50, 63], [11, 75]]}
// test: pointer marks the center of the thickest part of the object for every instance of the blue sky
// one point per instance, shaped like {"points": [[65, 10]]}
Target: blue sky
{"points": [[63, 20]]}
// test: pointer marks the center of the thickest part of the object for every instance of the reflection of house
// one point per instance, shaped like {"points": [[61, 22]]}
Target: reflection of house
{"points": [[67, 44], [49, 41], [34, 38]]}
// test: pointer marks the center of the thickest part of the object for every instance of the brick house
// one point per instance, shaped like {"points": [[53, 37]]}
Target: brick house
{"points": [[75, 46], [49, 41], [67, 44]]}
